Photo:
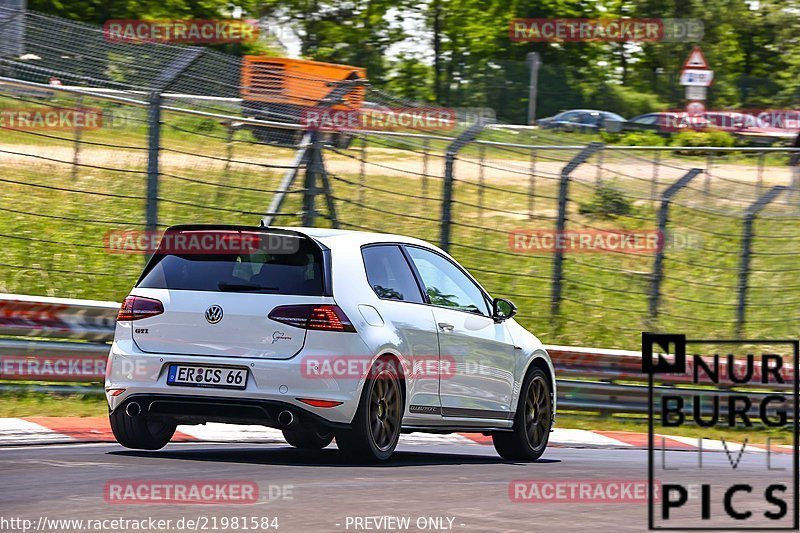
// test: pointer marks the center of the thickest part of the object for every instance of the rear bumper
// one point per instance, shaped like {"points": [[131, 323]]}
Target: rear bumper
{"points": [[188, 409], [270, 382]]}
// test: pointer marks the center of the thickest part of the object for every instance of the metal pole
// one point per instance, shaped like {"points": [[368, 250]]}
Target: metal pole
{"points": [[153, 147], [425, 155], [449, 177], [747, 241], [310, 184], [760, 179], [229, 145], [362, 177], [481, 163], [654, 185], [532, 186], [300, 159], [561, 221], [326, 188], [534, 62], [599, 175], [166, 77], [663, 219], [76, 155]]}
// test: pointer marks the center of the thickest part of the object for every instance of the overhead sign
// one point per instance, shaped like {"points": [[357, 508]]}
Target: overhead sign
{"points": [[696, 92], [696, 59], [698, 77]]}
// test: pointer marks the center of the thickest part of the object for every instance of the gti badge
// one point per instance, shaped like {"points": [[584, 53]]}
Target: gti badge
{"points": [[214, 314]]}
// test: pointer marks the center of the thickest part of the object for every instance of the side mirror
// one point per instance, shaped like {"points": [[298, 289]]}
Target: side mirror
{"points": [[503, 309]]}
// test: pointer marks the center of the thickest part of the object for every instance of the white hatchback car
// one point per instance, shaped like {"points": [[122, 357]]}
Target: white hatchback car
{"points": [[323, 333]]}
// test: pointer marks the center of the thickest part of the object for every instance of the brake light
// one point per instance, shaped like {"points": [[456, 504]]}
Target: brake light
{"points": [[320, 403], [137, 307], [317, 317]]}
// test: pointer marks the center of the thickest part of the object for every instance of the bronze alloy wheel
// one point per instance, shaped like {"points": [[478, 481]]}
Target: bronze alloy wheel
{"points": [[384, 410], [527, 439]]}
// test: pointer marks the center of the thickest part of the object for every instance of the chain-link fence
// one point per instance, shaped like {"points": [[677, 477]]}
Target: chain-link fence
{"points": [[595, 243]]}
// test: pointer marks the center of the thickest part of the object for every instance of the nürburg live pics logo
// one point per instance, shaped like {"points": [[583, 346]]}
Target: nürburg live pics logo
{"points": [[739, 470]]}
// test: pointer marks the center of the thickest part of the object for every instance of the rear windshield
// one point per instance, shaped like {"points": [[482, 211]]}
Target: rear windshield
{"points": [[257, 269]]}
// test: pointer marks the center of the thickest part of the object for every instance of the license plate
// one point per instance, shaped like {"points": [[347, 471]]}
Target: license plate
{"points": [[207, 376]]}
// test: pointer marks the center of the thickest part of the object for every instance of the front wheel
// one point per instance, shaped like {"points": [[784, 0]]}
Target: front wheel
{"points": [[532, 421], [376, 426], [141, 432]]}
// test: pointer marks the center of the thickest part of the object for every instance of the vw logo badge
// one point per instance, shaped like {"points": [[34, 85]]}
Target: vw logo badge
{"points": [[214, 314]]}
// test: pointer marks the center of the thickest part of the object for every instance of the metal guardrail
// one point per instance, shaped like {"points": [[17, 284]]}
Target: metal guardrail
{"points": [[589, 379]]}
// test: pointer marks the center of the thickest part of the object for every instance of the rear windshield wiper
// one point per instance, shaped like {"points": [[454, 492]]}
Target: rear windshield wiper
{"points": [[225, 286]]}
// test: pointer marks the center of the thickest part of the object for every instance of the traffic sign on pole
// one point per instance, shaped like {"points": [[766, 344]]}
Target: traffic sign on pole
{"points": [[695, 109], [696, 59], [696, 92], [698, 77]]}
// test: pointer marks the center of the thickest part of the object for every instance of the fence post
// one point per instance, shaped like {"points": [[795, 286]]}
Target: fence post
{"points": [[561, 220], [447, 194], [532, 186], [153, 147], [76, 154], [167, 76], [425, 155], [362, 171], [663, 218], [747, 240], [481, 187], [310, 183], [654, 184]]}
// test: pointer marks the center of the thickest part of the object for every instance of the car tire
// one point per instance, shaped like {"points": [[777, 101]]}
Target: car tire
{"points": [[141, 432], [305, 439], [375, 430], [532, 421]]}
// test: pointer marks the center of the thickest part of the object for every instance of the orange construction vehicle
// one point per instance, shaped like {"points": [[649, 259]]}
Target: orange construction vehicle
{"points": [[280, 89]]}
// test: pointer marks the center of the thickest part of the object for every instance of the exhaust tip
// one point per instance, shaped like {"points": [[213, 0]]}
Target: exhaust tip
{"points": [[286, 418], [133, 409]]}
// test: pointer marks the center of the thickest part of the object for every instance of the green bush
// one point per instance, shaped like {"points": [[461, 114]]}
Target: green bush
{"points": [[702, 138], [608, 201]]}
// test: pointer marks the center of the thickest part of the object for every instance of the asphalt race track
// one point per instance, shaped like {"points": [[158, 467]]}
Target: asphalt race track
{"points": [[465, 486]]}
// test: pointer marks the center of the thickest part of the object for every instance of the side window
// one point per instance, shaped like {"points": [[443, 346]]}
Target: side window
{"points": [[389, 274], [446, 284]]}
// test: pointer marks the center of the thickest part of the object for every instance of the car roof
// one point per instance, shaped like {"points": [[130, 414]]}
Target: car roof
{"points": [[330, 236], [324, 235]]}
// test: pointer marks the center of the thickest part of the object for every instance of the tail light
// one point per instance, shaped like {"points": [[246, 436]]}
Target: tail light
{"points": [[318, 317], [136, 307], [320, 403]]}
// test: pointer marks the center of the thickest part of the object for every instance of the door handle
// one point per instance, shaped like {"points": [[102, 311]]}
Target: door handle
{"points": [[445, 326]]}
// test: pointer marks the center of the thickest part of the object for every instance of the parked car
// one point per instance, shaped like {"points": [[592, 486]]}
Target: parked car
{"points": [[666, 122], [324, 334], [584, 120], [750, 128]]}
